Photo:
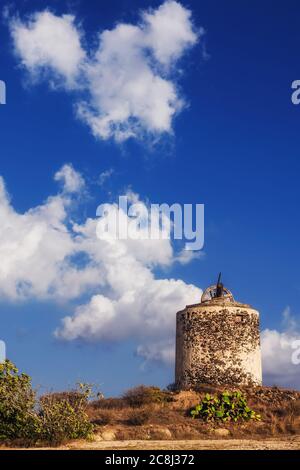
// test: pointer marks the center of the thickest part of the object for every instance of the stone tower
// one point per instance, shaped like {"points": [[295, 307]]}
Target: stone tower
{"points": [[217, 342]]}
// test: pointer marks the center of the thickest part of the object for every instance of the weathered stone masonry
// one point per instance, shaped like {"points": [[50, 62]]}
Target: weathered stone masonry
{"points": [[218, 342]]}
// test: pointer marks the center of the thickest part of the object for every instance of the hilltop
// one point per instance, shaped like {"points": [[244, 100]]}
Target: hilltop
{"points": [[150, 413]]}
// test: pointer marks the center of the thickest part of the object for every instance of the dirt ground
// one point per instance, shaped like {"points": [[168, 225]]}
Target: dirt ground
{"points": [[287, 443], [209, 444]]}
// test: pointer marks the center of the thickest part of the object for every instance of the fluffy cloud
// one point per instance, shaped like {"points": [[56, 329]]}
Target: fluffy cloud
{"points": [[161, 352], [39, 252], [168, 31], [48, 42], [36, 250], [281, 353], [128, 81], [71, 180], [139, 305], [144, 308]]}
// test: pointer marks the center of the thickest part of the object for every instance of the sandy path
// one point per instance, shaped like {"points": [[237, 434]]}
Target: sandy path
{"points": [[287, 443], [228, 444]]}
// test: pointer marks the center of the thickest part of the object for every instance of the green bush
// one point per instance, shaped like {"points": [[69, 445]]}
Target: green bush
{"points": [[228, 406], [54, 418], [63, 416], [73, 397], [141, 395], [18, 419]]}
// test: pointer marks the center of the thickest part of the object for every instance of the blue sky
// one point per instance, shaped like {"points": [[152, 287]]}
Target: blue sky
{"points": [[234, 147]]}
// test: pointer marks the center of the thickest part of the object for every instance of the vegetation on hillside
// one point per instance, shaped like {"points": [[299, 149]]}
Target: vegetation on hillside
{"points": [[225, 407], [141, 413], [53, 418]]}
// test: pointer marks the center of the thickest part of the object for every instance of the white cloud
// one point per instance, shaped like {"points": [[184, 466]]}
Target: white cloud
{"points": [[277, 353], [278, 349], [139, 305], [129, 81], [36, 250], [49, 42], [162, 352], [169, 31], [72, 180], [39, 250], [144, 308]]}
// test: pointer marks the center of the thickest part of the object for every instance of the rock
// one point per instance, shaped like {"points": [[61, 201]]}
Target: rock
{"points": [[160, 433], [108, 435], [184, 400], [221, 432], [97, 438]]}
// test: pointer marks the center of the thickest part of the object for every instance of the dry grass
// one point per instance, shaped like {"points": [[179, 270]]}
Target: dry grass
{"points": [[139, 417], [149, 413], [141, 395]]}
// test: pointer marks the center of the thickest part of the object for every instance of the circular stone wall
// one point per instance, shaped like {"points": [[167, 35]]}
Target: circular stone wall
{"points": [[218, 344]]}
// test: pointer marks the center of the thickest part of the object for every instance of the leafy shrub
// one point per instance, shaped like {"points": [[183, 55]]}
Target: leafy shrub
{"points": [[18, 419], [73, 397], [63, 416], [54, 418], [228, 406], [141, 395]]}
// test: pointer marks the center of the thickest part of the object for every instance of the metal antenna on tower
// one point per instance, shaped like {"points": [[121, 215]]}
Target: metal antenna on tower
{"points": [[220, 287]]}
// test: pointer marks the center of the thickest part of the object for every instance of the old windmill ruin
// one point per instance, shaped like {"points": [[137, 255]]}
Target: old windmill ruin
{"points": [[217, 341]]}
